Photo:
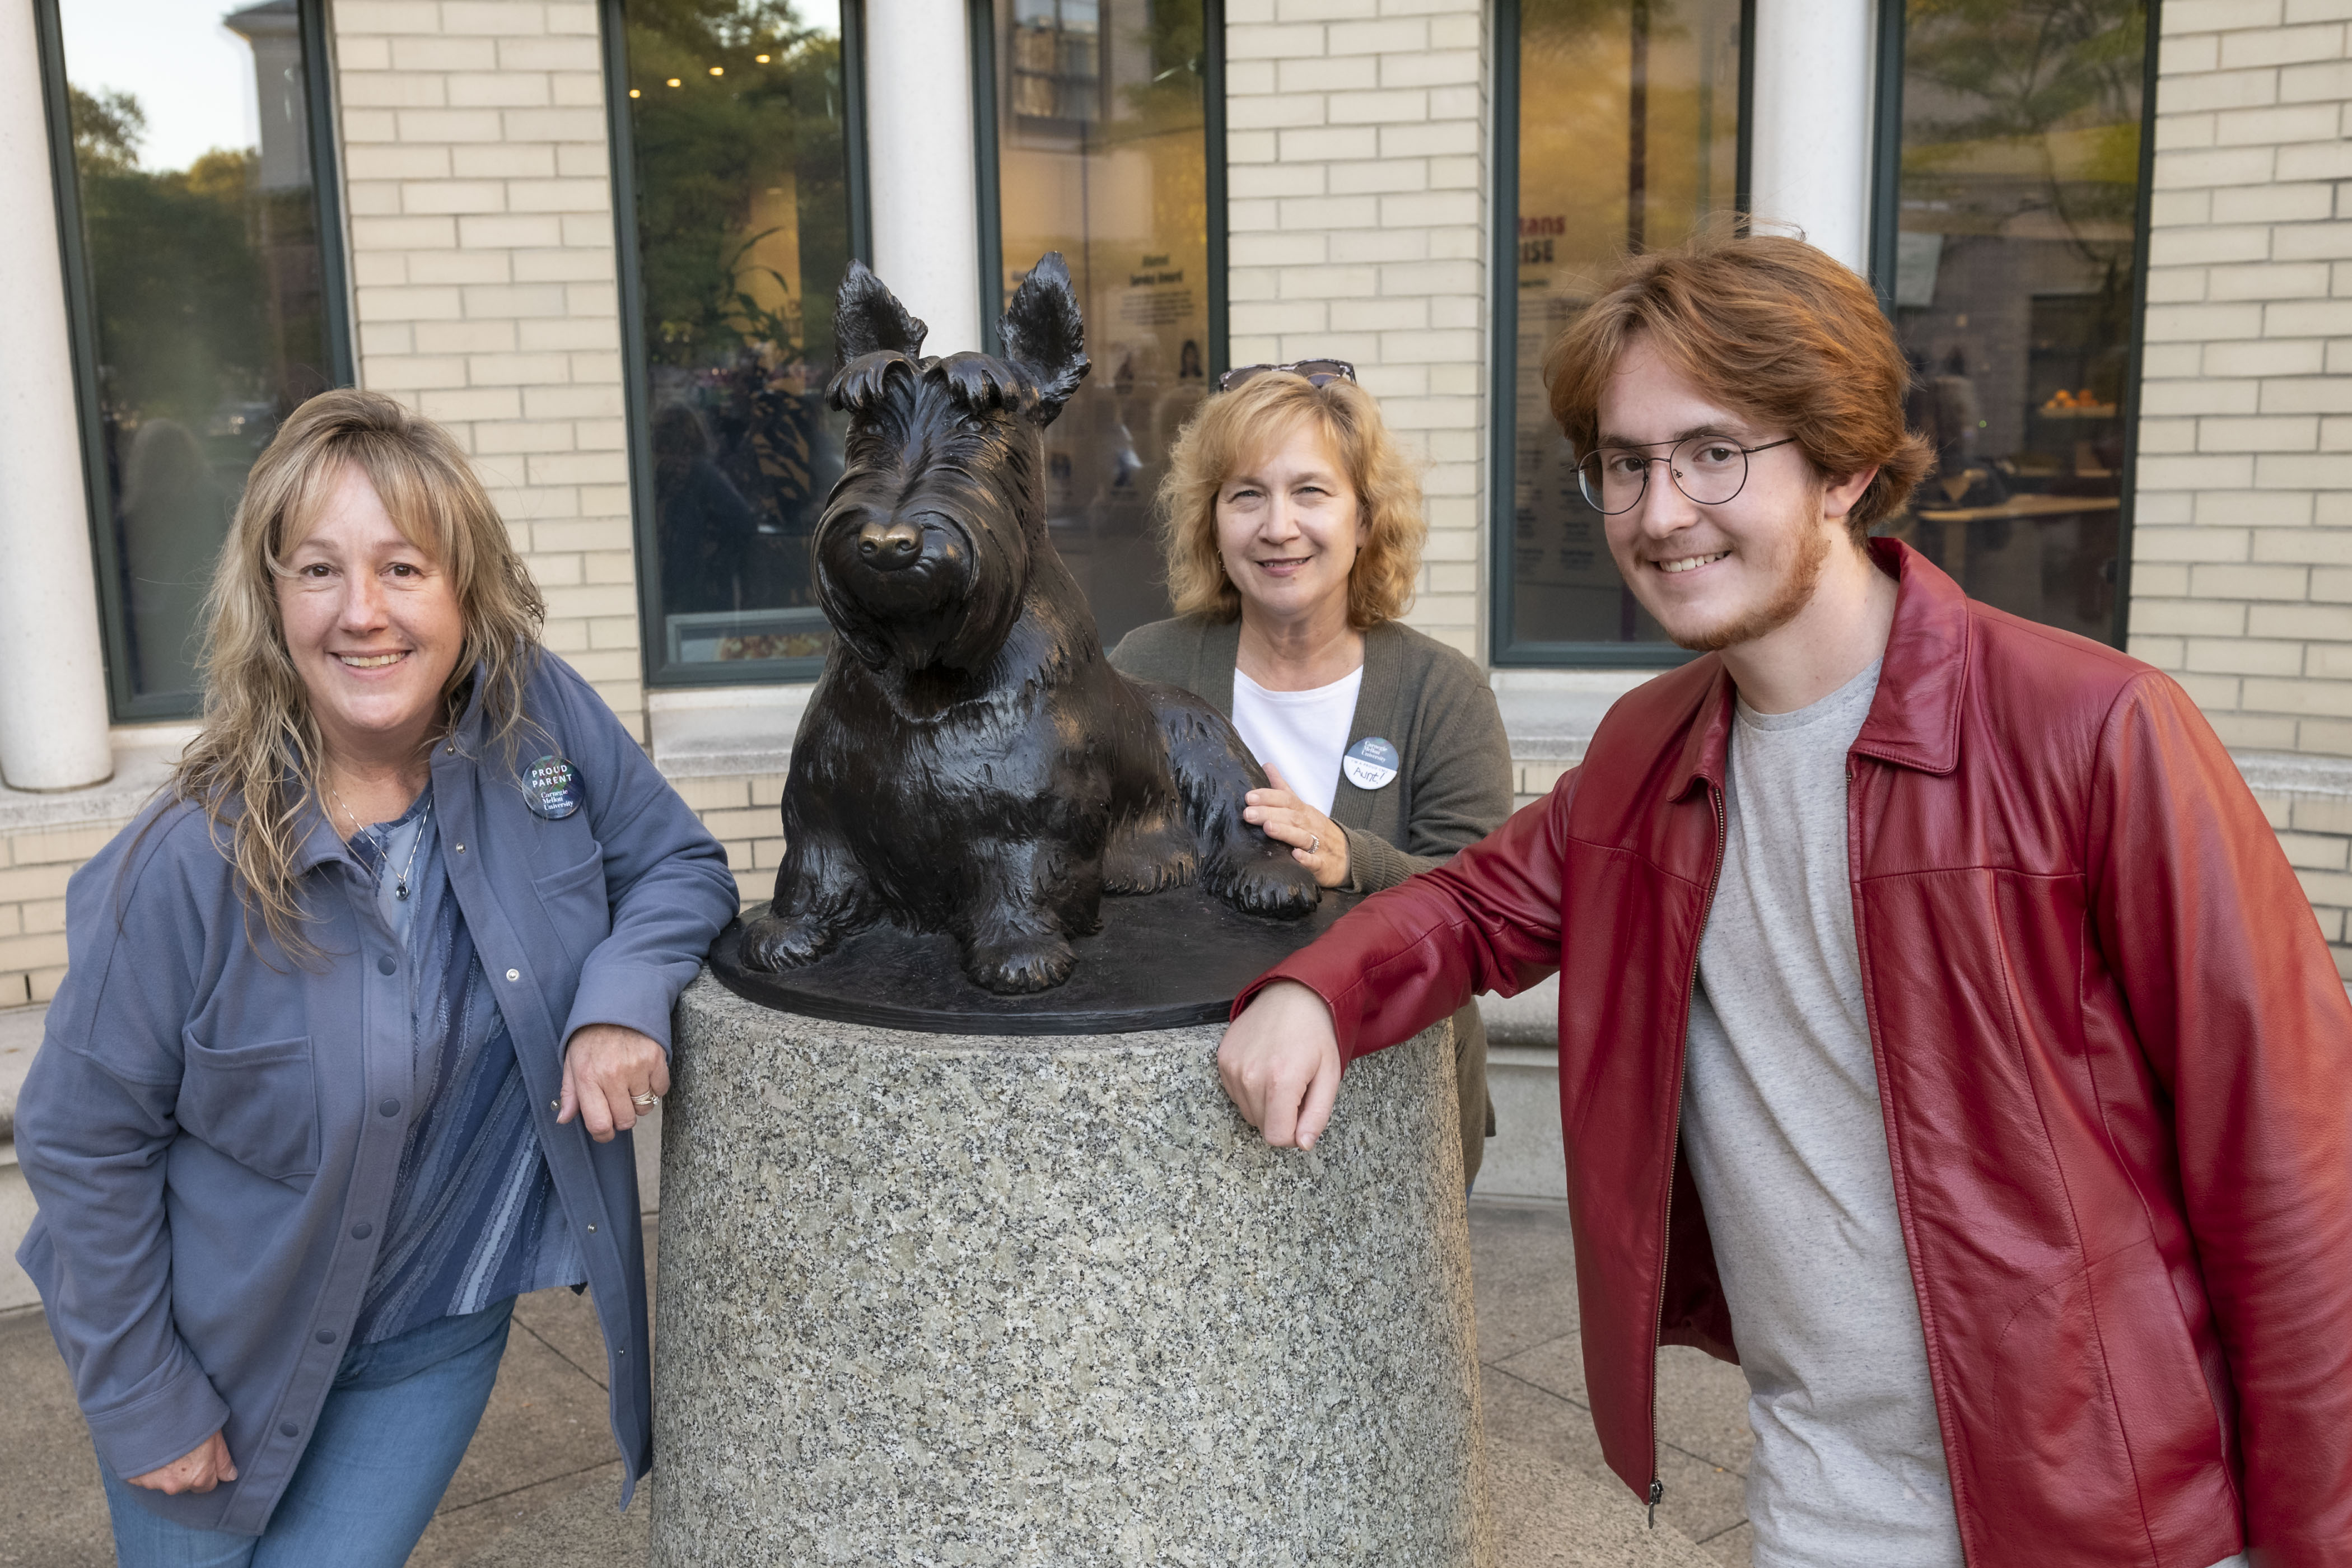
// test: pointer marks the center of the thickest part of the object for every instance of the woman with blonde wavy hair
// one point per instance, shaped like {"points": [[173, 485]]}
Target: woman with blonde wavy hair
{"points": [[1292, 529], [357, 1018]]}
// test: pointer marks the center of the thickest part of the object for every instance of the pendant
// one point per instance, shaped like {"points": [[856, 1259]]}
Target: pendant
{"points": [[400, 890]]}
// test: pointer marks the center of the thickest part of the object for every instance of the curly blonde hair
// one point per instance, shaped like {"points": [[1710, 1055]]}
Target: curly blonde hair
{"points": [[256, 763], [1236, 428]]}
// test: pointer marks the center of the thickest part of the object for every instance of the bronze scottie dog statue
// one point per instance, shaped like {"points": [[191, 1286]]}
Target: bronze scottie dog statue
{"points": [[969, 762]]}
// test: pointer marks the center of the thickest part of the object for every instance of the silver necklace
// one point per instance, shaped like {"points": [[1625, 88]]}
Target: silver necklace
{"points": [[400, 886]]}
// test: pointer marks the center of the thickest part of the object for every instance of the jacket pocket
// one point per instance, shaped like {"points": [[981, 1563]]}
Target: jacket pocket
{"points": [[257, 1104], [577, 909]]}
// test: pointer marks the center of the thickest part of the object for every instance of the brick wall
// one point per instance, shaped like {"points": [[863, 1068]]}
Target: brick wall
{"points": [[34, 866], [479, 190], [1356, 151], [2242, 559]]}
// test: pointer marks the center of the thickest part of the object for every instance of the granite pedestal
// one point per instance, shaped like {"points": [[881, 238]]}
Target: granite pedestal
{"points": [[1045, 1300]]}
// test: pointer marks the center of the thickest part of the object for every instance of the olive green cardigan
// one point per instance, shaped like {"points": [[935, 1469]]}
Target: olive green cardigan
{"points": [[1453, 789]]}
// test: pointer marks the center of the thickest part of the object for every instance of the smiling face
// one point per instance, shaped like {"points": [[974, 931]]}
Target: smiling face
{"points": [[373, 626], [1289, 527], [1715, 576]]}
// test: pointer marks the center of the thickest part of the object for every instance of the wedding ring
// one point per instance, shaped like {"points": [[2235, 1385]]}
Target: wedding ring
{"points": [[645, 1101], [1313, 841]]}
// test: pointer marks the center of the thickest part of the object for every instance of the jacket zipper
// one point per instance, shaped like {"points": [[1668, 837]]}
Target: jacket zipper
{"points": [[1673, 1147]]}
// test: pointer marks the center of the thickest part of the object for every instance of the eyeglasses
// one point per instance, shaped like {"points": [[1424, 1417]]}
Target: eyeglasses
{"points": [[1317, 372], [1709, 470]]}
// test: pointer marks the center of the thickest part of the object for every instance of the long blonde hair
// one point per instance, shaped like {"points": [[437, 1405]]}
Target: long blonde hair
{"points": [[1235, 427], [256, 764]]}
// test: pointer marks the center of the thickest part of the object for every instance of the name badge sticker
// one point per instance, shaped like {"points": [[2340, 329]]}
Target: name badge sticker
{"points": [[551, 788], [1372, 763]]}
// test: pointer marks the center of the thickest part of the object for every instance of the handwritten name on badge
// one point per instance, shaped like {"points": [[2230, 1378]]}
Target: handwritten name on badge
{"points": [[552, 788], [1372, 763]]}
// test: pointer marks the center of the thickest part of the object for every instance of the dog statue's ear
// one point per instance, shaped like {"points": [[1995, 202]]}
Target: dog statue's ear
{"points": [[868, 318], [1043, 333]]}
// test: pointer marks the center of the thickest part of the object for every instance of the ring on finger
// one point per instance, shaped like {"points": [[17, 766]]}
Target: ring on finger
{"points": [[645, 1101], [1313, 841]]}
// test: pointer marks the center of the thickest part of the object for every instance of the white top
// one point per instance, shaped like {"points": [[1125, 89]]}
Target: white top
{"points": [[1302, 733]]}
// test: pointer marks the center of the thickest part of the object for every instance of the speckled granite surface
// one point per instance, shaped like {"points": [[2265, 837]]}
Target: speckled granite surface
{"points": [[948, 1300]]}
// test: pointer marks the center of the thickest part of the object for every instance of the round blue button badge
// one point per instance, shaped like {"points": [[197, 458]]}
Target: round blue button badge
{"points": [[552, 788], [1372, 763]]}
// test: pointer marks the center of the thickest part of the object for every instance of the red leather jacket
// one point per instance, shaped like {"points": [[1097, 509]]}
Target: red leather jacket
{"points": [[2113, 1056]]}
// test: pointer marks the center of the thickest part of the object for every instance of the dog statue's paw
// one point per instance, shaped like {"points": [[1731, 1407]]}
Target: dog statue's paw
{"points": [[1273, 885], [1025, 965], [773, 942]]}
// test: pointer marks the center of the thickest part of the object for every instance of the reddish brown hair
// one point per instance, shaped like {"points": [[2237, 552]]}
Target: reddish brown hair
{"points": [[1770, 327]]}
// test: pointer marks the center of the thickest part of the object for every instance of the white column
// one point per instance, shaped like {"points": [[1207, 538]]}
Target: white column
{"points": [[52, 658], [921, 171], [1815, 81]]}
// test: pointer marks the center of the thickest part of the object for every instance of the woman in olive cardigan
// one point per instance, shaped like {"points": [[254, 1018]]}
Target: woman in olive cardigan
{"points": [[1293, 530]]}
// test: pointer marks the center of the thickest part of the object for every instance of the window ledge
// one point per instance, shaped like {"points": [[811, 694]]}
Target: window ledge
{"points": [[139, 772], [2296, 773], [715, 732]]}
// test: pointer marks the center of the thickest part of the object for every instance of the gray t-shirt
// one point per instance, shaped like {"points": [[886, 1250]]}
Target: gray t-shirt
{"points": [[1780, 1117], [1788, 1146]]}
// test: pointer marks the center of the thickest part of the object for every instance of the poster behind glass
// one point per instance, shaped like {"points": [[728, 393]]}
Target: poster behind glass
{"points": [[1629, 139], [2014, 294], [742, 205], [1102, 155], [200, 240]]}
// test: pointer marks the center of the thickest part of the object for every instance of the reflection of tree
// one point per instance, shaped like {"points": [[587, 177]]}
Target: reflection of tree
{"points": [[173, 266], [2059, 79], [733, 170]]}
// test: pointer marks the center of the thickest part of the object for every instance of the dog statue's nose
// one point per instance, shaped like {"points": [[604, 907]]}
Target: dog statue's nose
{"points": [[887, 546]]}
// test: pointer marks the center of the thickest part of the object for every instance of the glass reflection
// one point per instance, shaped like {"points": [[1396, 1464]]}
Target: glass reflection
{"points": [[743, 204], [200, 237], [1102, 155], [1629, 138], [2013, 293]]}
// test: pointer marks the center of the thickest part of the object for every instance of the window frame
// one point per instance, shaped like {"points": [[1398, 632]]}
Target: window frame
{"points": [[124, 705], [1885, 224], [1505, 649], [636, 378], [987, 160]]}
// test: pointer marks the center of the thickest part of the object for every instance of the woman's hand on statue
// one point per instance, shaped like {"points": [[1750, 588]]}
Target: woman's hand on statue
{"points": [[200, 1469], [1316, 841], [1280, 1064], [606, 1068]]}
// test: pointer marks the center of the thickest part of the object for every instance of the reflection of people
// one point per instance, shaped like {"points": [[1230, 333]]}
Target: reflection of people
{"points": [[1292, 529], [1943, 1034], [358, 1018], [175, 514], [708, 533]]}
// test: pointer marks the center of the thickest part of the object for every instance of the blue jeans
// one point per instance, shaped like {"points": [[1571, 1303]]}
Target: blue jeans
{"points": [[387, 1440]]}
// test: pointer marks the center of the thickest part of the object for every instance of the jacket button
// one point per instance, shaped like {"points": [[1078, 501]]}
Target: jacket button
{"points": [[361, 1231], [385, 965], [389, 1106], [514, 974], [592, 1230], [326, 1336], [287, 1429], [461, 849]]}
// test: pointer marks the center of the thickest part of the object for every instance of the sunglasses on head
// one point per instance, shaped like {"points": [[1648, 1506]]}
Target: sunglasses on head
{"points": [[1317, 372]]}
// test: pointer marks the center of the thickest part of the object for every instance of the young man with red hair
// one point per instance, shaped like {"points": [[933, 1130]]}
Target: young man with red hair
{"points": [[1942, 1034]]}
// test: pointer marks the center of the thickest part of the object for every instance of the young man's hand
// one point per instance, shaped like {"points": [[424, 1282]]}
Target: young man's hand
{"points": [[1280, 1063]]}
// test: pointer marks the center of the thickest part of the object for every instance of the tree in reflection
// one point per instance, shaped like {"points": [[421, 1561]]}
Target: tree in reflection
{"points": [[742, 235]]}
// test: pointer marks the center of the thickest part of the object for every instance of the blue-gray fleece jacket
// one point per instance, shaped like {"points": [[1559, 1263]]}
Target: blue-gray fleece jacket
{"points": [[213, 1126]]}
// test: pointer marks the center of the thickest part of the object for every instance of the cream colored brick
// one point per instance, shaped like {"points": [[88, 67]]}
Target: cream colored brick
{"points": [[43, 982]]}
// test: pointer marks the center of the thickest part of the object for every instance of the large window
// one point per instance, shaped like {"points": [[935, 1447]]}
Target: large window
{"points": [[203, 263], [738, 159], [1620, 130], [1105, 114], [2013, 278]]}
